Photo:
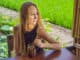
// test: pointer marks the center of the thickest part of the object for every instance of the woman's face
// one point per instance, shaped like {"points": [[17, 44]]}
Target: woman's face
{"points": [[32, 15]]}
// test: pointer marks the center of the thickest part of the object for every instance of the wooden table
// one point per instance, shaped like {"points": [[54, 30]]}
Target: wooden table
{"points": [[64, 54]]}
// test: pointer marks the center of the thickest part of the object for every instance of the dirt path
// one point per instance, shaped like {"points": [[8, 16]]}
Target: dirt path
{"points": [[8, 12], [64, 35]]}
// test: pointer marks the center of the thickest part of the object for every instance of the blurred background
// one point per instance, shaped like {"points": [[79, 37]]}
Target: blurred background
{"points": [[57, 17]]}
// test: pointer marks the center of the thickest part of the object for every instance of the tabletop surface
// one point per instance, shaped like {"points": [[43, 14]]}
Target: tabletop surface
{"points": [[64, 54]]}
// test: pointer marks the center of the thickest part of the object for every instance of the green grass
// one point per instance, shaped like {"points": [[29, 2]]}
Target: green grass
{"points": [[59, 12]]}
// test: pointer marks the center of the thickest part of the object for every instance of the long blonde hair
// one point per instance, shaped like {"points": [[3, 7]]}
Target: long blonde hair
{"points": [[23, 16]]}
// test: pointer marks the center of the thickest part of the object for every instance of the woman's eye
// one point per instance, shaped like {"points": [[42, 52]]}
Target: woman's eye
{"points": [[37, 13]]}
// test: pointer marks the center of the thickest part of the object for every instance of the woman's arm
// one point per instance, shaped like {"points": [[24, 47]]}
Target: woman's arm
{"points": [[42, 33], [52, 44]]}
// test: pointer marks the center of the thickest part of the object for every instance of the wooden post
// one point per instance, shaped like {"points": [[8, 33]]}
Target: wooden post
{"points": [[76, 27], [10, 44]]}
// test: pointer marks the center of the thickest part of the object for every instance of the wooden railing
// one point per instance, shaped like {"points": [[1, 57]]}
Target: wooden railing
{"points": [[10, 44]]}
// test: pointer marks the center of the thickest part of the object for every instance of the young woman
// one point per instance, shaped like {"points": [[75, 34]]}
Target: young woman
{"points": [[30, 35]]}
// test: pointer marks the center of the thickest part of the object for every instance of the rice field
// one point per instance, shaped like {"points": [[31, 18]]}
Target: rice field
{"points": [[58, 12]]}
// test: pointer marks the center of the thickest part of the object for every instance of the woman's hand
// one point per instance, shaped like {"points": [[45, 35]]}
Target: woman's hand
{"points": [[38, 43], [55, 46]]}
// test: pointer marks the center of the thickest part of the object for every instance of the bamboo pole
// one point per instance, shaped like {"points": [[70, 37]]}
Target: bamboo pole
{"points": [[76, 26]]}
